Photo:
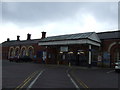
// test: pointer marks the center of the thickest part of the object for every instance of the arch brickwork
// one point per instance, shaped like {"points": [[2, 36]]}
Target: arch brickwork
{"points": [[30, 51], [11, 52], [23, 51]]}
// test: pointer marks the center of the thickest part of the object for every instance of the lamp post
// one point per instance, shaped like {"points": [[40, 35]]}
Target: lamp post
{"points": [[70, 53]]}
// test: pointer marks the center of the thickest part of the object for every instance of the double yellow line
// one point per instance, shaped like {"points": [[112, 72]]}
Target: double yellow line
{"points": [[83, 84], [79, 81], [26, 80]]}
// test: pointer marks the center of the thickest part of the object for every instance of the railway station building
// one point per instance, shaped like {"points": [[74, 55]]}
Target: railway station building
{"points": [[82, 49]]}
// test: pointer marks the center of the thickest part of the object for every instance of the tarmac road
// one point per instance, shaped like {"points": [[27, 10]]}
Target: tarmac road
{"points": [[22, 75], [54, 77], [32, 75], [97, 78], [13, 74]]}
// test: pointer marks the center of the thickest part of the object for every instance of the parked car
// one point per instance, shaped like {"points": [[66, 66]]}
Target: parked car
{"points": [[25, 59], [117, 66], [13, 59], [20, 59]]}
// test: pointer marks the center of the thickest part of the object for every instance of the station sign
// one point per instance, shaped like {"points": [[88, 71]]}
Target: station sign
{"points": [[64, 49]]}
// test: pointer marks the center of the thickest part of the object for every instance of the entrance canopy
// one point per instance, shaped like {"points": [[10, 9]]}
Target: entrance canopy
{"points": [[80, 38]]}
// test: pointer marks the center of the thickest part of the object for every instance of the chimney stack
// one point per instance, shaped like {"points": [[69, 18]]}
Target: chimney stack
{"points": [[8, 39], [18, 38], [43, 35], [28, 36]]}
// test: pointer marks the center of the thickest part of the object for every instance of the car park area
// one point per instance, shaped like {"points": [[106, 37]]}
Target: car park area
{"points": [[34, 75], [117, 66]]}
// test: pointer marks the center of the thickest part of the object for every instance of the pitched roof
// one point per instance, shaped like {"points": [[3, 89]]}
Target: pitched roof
{"points": [[21, 42], [68, 37], [80, 38], [109, 35], [88, 35]]}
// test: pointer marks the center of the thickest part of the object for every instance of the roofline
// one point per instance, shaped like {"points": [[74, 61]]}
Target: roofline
{"points": [[108, 32], [110, 39], [68, 39], [69, 42], [20, 40], [69, 34]]}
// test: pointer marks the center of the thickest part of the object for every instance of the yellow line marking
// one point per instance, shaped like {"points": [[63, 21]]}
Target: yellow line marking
{"points": [[33, 81], [27, 79], [24, 84], [79, 81], [30, 76], [82, 83]]}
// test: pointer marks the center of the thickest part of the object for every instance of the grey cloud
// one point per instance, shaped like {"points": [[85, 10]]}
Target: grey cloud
{"points": [[0, 12], [107, 12], [29, 12], [40, 12], [102, 11], [119, 15]]}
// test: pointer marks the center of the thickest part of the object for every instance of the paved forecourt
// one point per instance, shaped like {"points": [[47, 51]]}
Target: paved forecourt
{"points": [[33, 75]]}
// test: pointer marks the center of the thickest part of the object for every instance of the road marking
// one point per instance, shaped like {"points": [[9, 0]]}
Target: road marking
{"points": [[72, 81], [82, 83], [79, 81], [26, 80], [25, 83], [31, 84], [111, 71], [31, 75]]}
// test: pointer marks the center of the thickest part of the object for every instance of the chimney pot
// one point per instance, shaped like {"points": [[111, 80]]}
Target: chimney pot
{"points": [[43, 35], [18, 38], [8, 39], [28, 36]]}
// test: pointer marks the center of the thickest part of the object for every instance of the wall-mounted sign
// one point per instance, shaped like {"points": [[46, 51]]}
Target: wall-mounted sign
{"points": [[99, 58], [64, 49]]}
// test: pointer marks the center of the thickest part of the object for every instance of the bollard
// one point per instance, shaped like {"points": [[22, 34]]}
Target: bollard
{"points": [[57, 62], [69, 64]]}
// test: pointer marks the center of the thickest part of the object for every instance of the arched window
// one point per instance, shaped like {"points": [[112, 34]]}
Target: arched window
{"points": [[23, 51], [116, 54], [30, 52], [17, 50], [11, 52], [114, 50]]}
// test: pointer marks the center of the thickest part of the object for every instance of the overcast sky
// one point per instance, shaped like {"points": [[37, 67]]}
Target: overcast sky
{"points": [[56, 18]]}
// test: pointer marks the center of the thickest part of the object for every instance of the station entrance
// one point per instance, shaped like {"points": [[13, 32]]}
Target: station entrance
{"points": [[71, 54], [77, 49]]}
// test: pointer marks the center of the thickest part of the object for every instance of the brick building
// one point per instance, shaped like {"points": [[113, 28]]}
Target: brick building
{"points": [[77, 49], [15, 48], [110, 47]]}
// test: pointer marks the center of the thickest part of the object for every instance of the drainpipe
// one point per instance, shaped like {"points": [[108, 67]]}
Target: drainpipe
{"points": [[90, 56]]}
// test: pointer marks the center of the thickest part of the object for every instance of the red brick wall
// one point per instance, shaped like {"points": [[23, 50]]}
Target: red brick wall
{"points": [[5, 50], [105, 48], [106, 43]]}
